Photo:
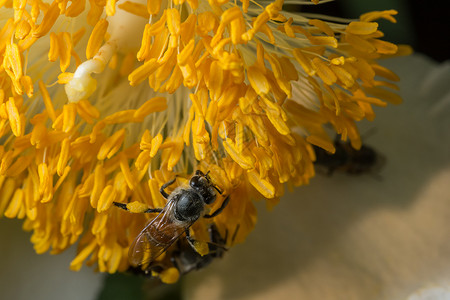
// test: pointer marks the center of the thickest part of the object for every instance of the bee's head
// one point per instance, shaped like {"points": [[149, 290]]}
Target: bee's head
{"points": [[201, 183]]}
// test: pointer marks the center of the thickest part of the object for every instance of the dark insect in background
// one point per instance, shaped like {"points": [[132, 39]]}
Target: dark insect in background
{"points": [[348, 160]]}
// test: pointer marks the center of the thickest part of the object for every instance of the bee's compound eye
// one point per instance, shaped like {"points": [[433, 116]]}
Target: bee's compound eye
{"points": [[198, 182], [195, 181]]}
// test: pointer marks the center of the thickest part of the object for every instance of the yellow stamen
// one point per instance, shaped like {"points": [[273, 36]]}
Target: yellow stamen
{"points": [[65, 50], [45, 183], [258, 80], [16, 205], [374, 15], [62, 177], [77, 262], [262, 185], [47, 22], [14, 60], [324, 27], [173, 21], [141, 73], [22, 30], [6, 162], [99, 184], [156, 104], [27, 84], [14, 117], [110, 7], [155, 144], [87, 111], [69, 115], [124, 167], [107, 197], [361, 28], [111, 145], [245, 161], [136, 8], [153, 7], [63, 157], [75, 9], [96, 38], [20, 165], [324, 71]]}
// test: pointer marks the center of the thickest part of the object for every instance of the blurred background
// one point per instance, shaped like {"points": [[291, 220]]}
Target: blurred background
{"points": [[423, 25], [359, 238]]}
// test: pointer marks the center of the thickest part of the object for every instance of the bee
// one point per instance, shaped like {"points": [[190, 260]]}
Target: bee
{"points": [[185, 205], [347, 159]]}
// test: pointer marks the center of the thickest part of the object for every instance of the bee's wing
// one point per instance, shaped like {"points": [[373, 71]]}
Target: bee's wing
{"points": [[156, 237]]}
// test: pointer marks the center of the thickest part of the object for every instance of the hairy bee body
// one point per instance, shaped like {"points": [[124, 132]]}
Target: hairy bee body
{"points": [[185, 205]]}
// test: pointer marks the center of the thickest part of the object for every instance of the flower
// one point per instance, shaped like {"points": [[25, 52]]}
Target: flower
{"points": [[359, 238], [145, 90]]}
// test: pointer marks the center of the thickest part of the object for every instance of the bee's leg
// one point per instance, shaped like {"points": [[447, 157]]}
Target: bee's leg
{"points": [[121, 205], [212, 247], [150, 210], [193, 243], [235, 233], [164, 186], [219, 210], [214, 234], [190, 240], [217, 189]]}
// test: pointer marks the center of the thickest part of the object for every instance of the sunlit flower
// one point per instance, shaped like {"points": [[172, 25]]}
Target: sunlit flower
{"points": [[145, 90]]}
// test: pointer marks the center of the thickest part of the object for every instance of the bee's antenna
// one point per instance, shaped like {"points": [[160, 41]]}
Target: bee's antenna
{"points": [[207, 176], [213, 185]]}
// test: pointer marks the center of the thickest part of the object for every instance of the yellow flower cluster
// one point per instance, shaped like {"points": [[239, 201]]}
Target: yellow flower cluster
{"points": [[145, 90]]}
